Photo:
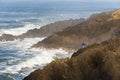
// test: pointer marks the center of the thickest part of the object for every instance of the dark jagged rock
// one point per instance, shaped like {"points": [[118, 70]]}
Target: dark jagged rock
{"points": [[44, 31], [96, 62], [98, 28]]}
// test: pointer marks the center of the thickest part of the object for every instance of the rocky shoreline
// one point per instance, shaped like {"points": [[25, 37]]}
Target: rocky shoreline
{"points": [[44, 31], [100, 60]]}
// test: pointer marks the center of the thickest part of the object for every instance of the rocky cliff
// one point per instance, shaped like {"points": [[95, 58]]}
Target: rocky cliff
{"points": [[95, 62], [98, 28]]}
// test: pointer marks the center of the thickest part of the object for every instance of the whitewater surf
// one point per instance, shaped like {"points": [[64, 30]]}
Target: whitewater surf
{"points": [[21, 60], [17, 59]]}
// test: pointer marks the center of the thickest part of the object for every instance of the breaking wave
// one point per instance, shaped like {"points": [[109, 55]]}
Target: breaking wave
{"points": [[20, 30], [22, 60]]}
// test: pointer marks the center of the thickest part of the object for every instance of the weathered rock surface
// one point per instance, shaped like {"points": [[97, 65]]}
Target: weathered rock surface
{"points": [[98, 28]]}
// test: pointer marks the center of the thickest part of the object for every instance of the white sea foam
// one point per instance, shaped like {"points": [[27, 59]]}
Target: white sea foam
{"points": [[22, 45], [18, 31], [39, 57]]}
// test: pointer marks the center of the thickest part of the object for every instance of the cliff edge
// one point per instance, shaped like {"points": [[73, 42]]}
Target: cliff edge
{"points": [[95, 62]]}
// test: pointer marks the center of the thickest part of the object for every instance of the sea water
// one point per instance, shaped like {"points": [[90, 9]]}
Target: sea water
{"points": [[17, 60]]}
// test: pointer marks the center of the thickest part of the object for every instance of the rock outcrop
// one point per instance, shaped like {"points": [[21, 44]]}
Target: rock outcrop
{"points": [[44, 31], [95, 62], [116, 14], [98, 28], [49, 29], [7, 37]]}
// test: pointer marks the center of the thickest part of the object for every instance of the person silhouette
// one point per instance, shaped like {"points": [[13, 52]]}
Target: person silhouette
{"points": [[83, 44]]}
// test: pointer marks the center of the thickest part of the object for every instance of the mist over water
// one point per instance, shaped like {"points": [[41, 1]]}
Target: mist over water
{"points": [[16, 59]]}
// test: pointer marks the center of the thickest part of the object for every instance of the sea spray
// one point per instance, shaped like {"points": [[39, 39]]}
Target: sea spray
{"points": [[19, 31], [22, 59]]}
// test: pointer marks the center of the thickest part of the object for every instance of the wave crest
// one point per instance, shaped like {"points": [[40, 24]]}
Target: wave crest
{"points": [[19, 31]]}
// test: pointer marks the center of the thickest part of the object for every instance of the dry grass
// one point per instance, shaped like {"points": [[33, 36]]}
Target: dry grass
{"points": [[96, 62]]}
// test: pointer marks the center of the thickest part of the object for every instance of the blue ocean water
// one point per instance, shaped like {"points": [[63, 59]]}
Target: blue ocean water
{"points": [[16, 60], [18, 14]]}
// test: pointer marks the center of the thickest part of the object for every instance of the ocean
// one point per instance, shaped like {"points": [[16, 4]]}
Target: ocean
{"points": [[16, 59]]}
